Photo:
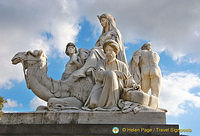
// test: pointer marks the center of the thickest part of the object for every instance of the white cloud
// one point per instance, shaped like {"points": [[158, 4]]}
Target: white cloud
{"points": [[12, 104], [35, 102], [169, 25], [176, 92], [24, 26]]}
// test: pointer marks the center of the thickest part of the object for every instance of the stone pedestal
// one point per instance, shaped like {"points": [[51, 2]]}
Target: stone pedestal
{"points": [[84, 117], [84, 123]]}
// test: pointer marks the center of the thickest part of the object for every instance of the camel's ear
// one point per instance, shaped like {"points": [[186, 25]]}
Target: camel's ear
{"points": [[40, 52], [29, 53], [37, 53]]}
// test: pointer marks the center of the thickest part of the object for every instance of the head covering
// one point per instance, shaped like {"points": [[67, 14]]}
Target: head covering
{"points": [[111, 21], [70, 44], [112, 44], [117, 35]]}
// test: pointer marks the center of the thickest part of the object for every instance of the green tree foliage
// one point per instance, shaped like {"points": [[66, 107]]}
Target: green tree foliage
{"points": [[2, 101]]}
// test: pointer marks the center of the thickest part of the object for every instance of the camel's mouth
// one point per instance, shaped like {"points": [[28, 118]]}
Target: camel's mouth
{"points": [[16, 60]]}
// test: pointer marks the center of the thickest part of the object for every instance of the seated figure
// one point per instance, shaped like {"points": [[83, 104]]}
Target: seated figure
{"points": [[109, 31], [76, 61], [111, 76]]}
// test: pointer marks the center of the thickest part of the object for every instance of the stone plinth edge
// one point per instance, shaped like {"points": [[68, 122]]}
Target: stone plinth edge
{"points": [[84, 117]]}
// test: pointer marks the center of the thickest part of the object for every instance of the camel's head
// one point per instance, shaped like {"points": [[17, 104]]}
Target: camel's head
{"points": [[19, 57], [29, 58]]}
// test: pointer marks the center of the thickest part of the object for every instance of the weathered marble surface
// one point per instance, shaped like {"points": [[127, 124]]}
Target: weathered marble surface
{"points": [[83, 84], [146, 72], [84, 117]]}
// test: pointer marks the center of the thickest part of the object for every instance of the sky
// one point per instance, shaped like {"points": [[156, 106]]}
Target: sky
{"points": [[172, 27]]}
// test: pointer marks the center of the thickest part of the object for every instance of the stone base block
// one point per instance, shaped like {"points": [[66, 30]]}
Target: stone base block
{"points": [[84, 117]]}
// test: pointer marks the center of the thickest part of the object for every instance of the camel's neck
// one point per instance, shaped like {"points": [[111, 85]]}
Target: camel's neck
{"points": [[36, 72], [38, 82]]}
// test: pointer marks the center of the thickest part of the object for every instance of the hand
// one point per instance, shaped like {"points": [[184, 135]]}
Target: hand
{"points": [[130, 83], [99, 75], [74, 58], [121, 75], [112, 33]]}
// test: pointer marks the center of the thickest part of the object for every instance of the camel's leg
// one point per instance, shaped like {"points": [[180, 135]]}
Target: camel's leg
{"points": [[41, 91]]}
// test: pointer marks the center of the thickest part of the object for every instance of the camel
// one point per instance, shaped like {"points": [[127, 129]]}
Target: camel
{"points": [[69, 91]]}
